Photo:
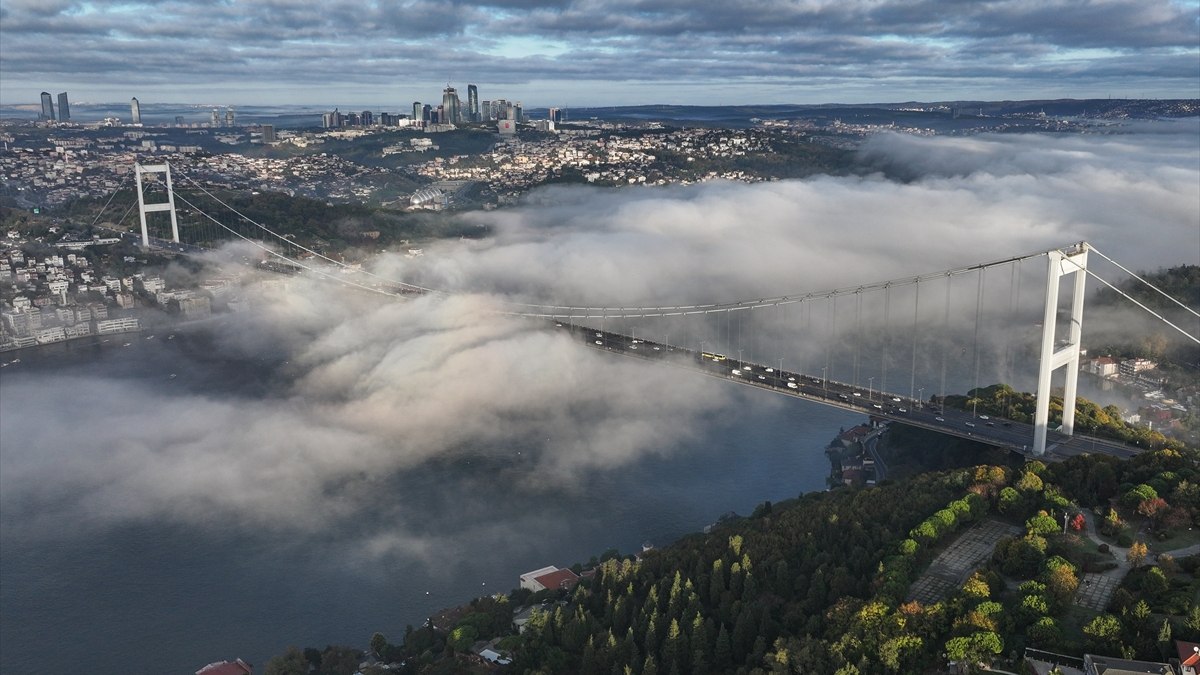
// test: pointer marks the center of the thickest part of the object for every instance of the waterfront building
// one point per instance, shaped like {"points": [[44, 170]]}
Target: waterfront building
{"points": [[64, 108], [47, 107], [135, 111]]}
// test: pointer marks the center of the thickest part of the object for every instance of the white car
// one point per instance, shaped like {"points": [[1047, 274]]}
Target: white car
{"points": [[599, 342], [858, 394], [735, 371], [792, 385], [895, 399], [984, 417]]}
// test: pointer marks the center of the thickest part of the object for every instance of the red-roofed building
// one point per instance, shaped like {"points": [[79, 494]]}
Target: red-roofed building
{"points": [[238, 667], [1189, 657], [853, 435], [549, 577]]}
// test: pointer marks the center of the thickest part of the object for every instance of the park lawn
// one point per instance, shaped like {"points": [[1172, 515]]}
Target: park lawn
{"points": [[1179, 539]]}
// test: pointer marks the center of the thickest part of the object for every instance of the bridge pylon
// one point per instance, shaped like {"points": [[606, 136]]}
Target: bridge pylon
{"points": [[1061, 264], [144, 208]]}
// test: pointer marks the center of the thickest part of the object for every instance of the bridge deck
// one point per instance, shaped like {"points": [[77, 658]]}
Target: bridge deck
{"points": [[1015, 436]]}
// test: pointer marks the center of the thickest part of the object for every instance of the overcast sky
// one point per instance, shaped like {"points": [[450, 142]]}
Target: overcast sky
{"points": [[597, 52]]}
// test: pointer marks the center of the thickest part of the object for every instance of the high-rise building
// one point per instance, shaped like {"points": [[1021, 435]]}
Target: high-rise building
{"points": [[179, 120], [214, 119], [416, 111], [135, 111], [268, 133], [450, 106], [473, 103], [47, 107], [518, 112], [229, 117], [333, 120], [555, 116], [485, 111], [426, 113], [366, 118], [64, 108]]}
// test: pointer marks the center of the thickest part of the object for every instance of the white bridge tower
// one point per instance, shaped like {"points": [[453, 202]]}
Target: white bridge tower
{"points": [[169, 205], [1061, 264]]}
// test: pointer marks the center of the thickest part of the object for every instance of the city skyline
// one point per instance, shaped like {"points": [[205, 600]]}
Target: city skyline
{"points": [[616, 52]]}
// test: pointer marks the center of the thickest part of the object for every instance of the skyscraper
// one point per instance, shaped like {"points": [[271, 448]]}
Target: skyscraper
{"points": [[450, 106], [485, 111], [554, 115], [135, 110], [214, 119], [229, 117], [416, 111], [473, 103], [47, 107], [64, 108], [268, 133]]}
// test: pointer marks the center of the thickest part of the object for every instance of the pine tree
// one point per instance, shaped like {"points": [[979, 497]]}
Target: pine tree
{"points": [[722, 651]]}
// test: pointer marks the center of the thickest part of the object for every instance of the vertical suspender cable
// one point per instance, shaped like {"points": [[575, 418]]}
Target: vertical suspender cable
{"points": [[912, 381], [978, 311], [887, 306], [945, 334]]}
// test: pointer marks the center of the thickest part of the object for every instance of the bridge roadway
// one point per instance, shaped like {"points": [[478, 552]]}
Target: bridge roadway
{"points": [[1014, 436]]}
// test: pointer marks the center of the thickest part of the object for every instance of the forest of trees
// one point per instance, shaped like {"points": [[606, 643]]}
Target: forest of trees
{"points": [[820, 584]]}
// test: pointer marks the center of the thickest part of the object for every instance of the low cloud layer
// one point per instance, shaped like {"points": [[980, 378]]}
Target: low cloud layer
{"points": [[374, 392]]}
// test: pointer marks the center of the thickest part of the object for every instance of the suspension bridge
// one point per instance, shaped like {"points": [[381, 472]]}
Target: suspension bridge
{"points": [[912, 331]]}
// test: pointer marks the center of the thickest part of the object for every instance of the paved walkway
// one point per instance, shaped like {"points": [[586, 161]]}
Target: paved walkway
{"points": [[1096, 589], [951, 568]]}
